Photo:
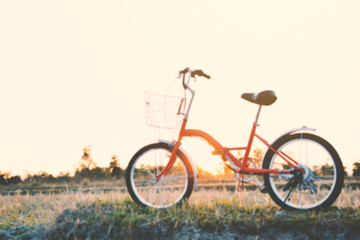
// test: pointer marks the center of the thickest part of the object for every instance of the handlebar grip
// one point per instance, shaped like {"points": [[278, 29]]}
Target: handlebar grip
{"points": [[186, 70], [193, 74], [200, 73], [206, 76]]}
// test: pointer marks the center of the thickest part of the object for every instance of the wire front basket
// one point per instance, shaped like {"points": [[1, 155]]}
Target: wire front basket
{"points": [[163, 111]]}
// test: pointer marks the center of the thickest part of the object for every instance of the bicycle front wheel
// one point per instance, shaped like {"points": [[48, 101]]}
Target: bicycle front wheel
{"points": [[141, 177], [323, 176]]}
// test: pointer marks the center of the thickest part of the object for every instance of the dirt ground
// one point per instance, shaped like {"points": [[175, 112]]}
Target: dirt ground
{"points": [[79, 231]]}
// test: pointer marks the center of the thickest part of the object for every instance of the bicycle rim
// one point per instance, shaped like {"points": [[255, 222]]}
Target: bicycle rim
{"points": [[158, 193], [320, 176]]}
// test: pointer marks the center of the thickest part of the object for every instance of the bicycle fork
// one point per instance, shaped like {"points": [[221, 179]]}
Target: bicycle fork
{"points": [[171, 160]]}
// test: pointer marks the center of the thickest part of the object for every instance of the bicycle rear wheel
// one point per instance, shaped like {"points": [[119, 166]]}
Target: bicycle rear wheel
{"points": [[141, 177], [323, 176]]}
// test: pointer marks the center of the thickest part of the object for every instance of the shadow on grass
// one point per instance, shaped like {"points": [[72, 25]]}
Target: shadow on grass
{"points": [[125, 220]]}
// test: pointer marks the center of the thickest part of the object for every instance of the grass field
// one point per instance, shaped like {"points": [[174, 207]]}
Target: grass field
{"points": [[99, 214]]}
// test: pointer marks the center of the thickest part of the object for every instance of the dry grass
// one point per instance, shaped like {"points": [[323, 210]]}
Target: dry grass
{"points": [[42, 209], [31, 210]]}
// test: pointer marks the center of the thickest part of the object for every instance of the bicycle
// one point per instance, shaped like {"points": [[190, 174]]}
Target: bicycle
{"points": [[301, 171]]}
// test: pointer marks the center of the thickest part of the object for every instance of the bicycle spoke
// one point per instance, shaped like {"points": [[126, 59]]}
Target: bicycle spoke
{"points": [[144, 186], [144, 171], [320, 172], [299, 197], [144, 183], [174, 178]]}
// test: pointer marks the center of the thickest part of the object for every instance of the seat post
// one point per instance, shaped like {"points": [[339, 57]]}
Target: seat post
{"points": [[257, 115]]}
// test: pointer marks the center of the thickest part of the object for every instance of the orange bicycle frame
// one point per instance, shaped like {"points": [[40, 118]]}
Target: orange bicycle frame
{"points": [[239, 164]]}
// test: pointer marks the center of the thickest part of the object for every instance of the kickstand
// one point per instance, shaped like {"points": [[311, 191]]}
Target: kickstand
{"points": [[287, 197], [293, 182]]}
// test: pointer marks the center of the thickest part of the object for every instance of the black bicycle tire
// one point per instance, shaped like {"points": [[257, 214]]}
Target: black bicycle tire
{"points": [[339, 181], [166, 146]]}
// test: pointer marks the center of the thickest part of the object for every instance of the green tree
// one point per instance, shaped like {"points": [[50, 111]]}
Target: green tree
{"points": [[257, 156], [86, 159], [327, 169], [345, 172], [64, 177], [41, 177], [15, 179], [86, 165], [356, 169], [114, 167], [4, 178], [97, 173]]}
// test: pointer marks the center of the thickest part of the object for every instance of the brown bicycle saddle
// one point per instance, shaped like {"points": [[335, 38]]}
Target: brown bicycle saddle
{"points": [[262, 98]]}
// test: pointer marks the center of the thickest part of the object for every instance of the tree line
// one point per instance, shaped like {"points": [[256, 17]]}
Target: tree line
{"points": [[86, 169]]}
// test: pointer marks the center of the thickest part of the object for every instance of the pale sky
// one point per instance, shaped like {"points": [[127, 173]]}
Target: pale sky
{"points": [[73, 73]]}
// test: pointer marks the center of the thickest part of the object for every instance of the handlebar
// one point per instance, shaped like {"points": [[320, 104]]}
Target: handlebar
{"points": [[199, 72], [193, 73]]}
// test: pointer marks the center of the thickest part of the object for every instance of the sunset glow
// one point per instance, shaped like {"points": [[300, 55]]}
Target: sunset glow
{"points": [[74, 73]]}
